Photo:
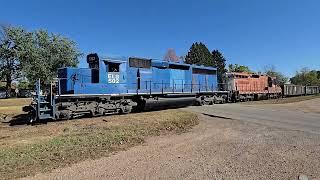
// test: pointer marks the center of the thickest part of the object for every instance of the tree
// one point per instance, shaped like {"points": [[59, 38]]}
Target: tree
{"points": [[199, 54], [171, 56], [239, 68], [35, 55], [24, 85], [220, 63], [271, 71], [306, 77], [49, 53], [10, 39]]}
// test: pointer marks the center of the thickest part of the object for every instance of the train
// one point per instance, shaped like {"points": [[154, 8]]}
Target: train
{"points": [[120, 85], [248, 86]]}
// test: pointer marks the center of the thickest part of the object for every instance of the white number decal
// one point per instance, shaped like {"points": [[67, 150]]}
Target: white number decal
{"points": [[113, 78]]}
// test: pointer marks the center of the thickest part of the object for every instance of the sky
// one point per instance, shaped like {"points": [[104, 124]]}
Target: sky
{"points": [[255, 33]]}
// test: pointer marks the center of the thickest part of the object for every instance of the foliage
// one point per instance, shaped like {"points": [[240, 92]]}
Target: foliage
{"points": [[306, 77], [271, 71], [11, 40], [220, 63], [35, 55], [24, 85], [239, 68], [49, 53], [171, 56], [199, 54]]}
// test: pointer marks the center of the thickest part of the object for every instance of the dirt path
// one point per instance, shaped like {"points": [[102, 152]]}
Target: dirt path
{"points": [[218, 148]]}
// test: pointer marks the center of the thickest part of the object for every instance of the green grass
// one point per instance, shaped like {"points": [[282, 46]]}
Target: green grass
{"points": [[90, 142]]}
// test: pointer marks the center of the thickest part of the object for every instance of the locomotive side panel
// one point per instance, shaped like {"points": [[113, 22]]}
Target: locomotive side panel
{"points": [[177, 78], [161, 80], [204, 79], [70, 76]]}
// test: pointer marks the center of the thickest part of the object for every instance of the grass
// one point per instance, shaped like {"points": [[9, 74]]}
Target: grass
{"points": [[14, 102], [65, 143], [12, 107]]}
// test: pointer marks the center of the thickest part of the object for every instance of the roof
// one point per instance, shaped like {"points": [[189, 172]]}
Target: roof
{"points": [[155, 62]]}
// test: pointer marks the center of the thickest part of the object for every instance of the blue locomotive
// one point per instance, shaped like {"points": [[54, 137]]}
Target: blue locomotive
{"points": [[120, 84]]}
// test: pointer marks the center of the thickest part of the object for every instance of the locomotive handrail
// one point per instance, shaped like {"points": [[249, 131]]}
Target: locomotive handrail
{"points": [[149, 85]]}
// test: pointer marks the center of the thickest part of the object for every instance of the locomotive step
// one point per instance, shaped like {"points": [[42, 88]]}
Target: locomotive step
{"points": [[44, 109], [44, 102]]}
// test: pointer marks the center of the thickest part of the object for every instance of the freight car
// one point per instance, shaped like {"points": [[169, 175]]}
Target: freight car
{"points": [[298, 90], [293, 90], [121, 84], [246, 86], [310, 90]]}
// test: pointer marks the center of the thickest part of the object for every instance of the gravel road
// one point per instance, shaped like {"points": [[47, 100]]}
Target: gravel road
{"points": [[232, 141]]}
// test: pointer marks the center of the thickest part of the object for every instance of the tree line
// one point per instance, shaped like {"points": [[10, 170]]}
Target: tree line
{"points": [[306, 77], [199, 54]]}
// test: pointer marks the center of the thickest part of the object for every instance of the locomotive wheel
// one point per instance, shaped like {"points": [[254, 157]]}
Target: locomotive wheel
{"points": [[125, 109], [93, 113], [140, 105], [200, 101], [66, 114]]}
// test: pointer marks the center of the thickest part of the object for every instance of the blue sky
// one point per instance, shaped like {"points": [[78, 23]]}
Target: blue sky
{"points": [[284, 33]]}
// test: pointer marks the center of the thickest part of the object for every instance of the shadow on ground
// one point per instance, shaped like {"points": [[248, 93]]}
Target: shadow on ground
{"points": [[215, 116], [21, 119]]}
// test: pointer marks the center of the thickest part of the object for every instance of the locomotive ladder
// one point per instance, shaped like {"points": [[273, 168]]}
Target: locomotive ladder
{"points": [[43, 103]]}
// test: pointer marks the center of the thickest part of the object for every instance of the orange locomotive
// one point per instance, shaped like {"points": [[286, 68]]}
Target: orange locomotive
{"points": [[245, 86]]}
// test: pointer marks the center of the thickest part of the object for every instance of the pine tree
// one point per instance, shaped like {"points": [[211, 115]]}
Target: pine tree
{"points": [[199, 54], [220, 63]]}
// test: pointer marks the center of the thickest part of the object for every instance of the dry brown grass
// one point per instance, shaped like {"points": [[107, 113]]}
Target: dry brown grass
{"points": [[12, 107], [14, 102], [27, 150]]}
